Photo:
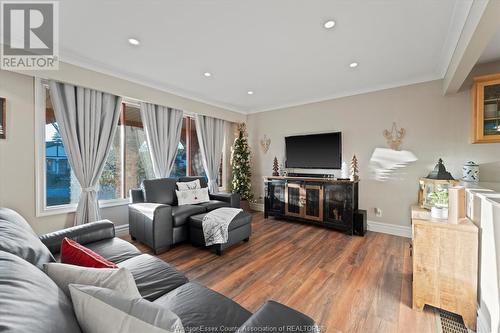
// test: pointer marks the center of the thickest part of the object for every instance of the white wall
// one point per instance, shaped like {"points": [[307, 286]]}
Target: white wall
{"points": [[17, 152], [436, 126]]}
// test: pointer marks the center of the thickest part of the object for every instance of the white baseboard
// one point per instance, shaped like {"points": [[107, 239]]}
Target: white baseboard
{"points": [[391, 229], [257, 206], [483, 325], [121, 230], [385, 228]]}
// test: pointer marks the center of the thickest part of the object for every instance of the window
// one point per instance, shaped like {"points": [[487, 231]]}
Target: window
{"points": [[137, 161], [61, 185], [189, 161], [110, 185], [196, 160], [127, 164], [180, 165]]}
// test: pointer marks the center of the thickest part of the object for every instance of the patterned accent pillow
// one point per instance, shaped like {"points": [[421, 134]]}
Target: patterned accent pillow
{"points": [[182, 186], [192, 197]]}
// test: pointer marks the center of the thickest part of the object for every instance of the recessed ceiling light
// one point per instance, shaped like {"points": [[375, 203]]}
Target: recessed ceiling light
{"points": [[133, 41], [353, 64], [329, 24], [250, 92], [207, 74]]}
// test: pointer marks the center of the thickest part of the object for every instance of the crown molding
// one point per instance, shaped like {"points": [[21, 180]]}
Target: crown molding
{"points": [[71, 58], [349, 93]]}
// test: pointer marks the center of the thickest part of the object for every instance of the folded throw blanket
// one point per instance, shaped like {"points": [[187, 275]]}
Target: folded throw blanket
{"points": [[216, 225]]}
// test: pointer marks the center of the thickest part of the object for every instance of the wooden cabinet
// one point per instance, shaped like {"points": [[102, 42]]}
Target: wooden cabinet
{"points": [[486, 109], [322, 201], [445, 265]]}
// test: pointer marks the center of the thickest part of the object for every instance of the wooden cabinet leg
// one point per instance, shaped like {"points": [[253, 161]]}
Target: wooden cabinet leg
{"points": [[470, 320], [418, 306]]}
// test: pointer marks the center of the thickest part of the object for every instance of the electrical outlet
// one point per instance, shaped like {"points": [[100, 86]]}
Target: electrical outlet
{"points": [[378, 212]]}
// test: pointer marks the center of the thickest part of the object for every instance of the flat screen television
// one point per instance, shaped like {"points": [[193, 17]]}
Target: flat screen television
{"points": [[314, 151]]}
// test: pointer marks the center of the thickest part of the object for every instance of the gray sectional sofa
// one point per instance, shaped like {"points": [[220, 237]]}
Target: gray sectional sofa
{"points": [[156, 220], [31, 302]]}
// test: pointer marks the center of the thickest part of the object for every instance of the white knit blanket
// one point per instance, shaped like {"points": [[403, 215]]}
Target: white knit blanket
{"points": [[216, 225]]}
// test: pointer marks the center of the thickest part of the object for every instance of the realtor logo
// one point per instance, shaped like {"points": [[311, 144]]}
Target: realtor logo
{"points": [[29, 35]]}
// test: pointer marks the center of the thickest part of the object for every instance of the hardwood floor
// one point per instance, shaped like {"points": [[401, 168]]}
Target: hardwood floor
{"points": [[346, 283]]}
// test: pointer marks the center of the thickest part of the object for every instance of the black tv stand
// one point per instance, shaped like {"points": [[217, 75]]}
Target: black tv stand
{"points": [[323, 201]]}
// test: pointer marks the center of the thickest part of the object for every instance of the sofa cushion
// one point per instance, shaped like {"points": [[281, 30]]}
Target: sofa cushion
{"points": [[30, 301], [160, 190], [15, 238], [114, 249], [117, 279], [214, 204], [199, 307], [15, 218], [181, 214], [196, 221], [203, 180], [153, 276], [76, 254], [105, 310]]}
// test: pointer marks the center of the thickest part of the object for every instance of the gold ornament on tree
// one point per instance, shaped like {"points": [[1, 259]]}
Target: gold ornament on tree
{"points": [[276, 168], [354, 169]]}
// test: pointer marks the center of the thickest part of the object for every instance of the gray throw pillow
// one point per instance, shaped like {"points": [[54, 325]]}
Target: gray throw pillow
{"points": [[120, 280], [105, 310]]}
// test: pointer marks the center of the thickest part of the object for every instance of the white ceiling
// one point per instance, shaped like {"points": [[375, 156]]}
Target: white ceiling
{"points": [[279, 48], [492, 51]]}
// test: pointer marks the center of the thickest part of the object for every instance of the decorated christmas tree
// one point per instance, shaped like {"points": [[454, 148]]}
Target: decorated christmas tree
{"points": [[354, 169], [276, 168], [240, 161]]}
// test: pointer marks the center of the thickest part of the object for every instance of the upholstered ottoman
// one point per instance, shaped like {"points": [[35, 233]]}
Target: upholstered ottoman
{"points": [[239, 230]]}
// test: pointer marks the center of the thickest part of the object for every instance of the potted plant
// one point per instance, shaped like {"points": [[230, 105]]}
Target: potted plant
{"points": [[439, 201]]}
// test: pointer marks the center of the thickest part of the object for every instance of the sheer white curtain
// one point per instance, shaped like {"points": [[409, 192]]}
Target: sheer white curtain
{"points": [[87, 122], [211, 132], [163, 127]]}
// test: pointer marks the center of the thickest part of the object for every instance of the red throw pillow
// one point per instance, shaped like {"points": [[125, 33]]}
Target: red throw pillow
{"points": [[74, 253]]}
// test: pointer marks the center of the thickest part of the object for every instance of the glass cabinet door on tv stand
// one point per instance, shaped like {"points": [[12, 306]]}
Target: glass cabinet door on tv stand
{"points": [[294, 205], [274, 198], [339, 205], [313, 200]]}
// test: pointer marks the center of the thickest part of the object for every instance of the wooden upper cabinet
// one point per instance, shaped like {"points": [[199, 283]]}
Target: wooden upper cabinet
{"points": [[486, 109]]}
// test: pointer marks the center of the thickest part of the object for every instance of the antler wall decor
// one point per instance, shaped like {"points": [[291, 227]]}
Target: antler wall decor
{"points": [[265, 143], [394, 137]]}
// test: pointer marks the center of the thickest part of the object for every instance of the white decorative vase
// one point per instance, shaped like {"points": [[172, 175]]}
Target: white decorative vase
{"points": [[470, 172]]}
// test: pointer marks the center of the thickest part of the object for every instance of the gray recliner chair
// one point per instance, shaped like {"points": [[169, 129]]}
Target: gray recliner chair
{"points": [[156, 220]]}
